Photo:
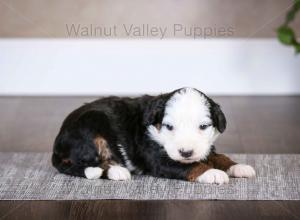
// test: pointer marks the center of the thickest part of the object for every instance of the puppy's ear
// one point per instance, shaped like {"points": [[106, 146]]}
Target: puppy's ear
{"points": [[154, 111], [218, 117]]}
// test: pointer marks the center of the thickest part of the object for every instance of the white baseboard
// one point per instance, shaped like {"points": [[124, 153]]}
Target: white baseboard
{"points": [[98, 67]]}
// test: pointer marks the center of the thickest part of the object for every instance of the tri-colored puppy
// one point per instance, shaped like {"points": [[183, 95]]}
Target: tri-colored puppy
{"points": [[170, 136]]}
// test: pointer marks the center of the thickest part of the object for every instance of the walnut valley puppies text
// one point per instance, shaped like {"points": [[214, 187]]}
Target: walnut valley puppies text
{"points": [[146, 31]]}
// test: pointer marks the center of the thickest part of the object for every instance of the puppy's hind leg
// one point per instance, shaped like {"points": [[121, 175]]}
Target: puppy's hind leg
{"points": [[113, 170], [67, 166]]}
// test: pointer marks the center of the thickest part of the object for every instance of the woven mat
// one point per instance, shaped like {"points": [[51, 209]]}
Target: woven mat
{"points": [[30, 176]]}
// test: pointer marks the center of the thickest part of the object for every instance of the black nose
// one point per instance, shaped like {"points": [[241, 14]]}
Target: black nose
{"points": [[186, 154]]}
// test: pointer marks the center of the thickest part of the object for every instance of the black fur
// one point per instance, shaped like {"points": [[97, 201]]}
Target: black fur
{"points": [[218, 117], [120, 121]]}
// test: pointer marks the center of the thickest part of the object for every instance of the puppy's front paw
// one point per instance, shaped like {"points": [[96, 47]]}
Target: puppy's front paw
{"points": [[116, 172], [213, 176], [93, 172], [241, 170]]}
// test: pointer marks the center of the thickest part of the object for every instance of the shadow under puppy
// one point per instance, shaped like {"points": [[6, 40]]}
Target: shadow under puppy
{"points": [[169, 135]]}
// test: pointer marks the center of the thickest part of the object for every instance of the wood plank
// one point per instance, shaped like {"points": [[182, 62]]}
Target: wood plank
{"points": [[173, 210]]}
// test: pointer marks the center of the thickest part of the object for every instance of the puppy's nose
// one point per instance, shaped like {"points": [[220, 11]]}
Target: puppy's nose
{"points": [[186, 154]]}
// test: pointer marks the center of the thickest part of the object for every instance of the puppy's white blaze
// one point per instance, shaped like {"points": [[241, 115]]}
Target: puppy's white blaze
{"points": [[116, 172], [186, 111], [93, 172], [188, 102], [241, 170], [213, 176]]}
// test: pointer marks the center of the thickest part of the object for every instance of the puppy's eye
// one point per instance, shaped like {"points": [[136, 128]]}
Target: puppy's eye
{"points": [[169, 127], [203, 127]]}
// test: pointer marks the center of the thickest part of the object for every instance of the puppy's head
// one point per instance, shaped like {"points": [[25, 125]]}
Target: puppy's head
{"points": [[185, 123]]}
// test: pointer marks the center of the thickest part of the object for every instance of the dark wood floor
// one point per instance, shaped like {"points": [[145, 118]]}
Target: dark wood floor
{"points": [[255, 125]]}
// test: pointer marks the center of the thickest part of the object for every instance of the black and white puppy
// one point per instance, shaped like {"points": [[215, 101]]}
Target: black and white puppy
{"points": [[170, 136]]}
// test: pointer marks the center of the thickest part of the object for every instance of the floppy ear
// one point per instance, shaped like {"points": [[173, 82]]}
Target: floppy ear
{"points": [[218, 117], [154, 112]]}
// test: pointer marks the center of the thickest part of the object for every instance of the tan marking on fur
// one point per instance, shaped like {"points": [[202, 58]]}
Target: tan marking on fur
{"points": [[107, 163], [66, 161], [102, 147], [197, 170], [158, 126], [220, 161]]}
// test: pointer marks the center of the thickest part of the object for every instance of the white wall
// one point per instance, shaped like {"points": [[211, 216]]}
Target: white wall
{"points": [[96, 67]]}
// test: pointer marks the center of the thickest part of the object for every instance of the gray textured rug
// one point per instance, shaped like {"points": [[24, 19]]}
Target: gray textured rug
{"points": [[30, 176]]}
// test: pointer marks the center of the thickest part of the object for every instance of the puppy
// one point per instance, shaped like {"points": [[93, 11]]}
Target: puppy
{"points": [[169, 136]]}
